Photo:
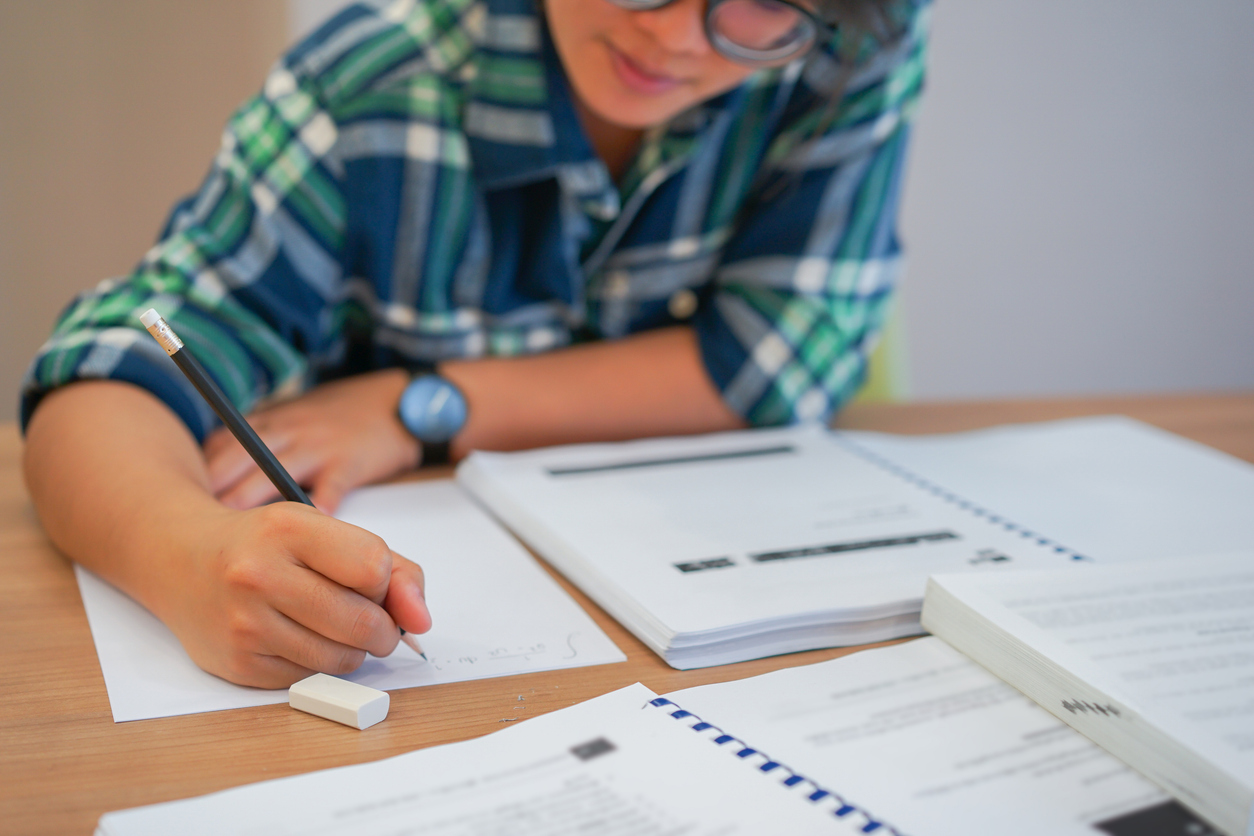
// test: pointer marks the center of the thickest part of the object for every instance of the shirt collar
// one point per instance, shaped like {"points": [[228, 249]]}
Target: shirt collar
{"points": [[518, 135]]}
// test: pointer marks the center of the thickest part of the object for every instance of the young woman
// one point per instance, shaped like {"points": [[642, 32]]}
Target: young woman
{"points": [[456, 224]]}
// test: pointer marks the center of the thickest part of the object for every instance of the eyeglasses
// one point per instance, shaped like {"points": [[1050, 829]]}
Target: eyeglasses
{"points": [[754, 32]]}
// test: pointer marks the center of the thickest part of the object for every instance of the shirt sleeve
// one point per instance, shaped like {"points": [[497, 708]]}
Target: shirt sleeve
{"points": [[245, 270], [805, 282]]}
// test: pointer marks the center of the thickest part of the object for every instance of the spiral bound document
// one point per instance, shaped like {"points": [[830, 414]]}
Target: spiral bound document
{"points": [[1106, 487], [908, 740], [953, 498], [725, 547], [805, 788], [733, 546]]}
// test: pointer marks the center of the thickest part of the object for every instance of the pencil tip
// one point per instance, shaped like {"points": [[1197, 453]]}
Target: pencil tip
{"points": [[409, 639]]}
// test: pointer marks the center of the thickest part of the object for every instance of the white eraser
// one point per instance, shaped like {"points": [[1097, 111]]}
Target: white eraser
{"points": [[150, 317], [339, 700]]}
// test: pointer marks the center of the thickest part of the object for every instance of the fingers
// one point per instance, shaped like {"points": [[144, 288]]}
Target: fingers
{"points": [[238, 483], [310, 651], [350, 556], [255, 488], [362, 570], [258, 670], [335, 437], [406, 600], [332, 483], [286, 652], [285, 590], [232, 471], [326, 609]]}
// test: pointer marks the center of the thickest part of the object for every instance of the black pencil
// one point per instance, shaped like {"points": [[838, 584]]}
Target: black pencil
{"points": [[235, 422]]}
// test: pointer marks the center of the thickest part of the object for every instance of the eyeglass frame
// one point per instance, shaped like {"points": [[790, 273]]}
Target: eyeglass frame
{"points": [[733, 52]]}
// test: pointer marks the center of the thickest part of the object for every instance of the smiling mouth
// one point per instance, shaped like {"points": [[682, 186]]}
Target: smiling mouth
{"points": [[638, 78]]}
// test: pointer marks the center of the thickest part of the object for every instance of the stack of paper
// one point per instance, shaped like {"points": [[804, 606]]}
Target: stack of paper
{"points": [[733, 546], [913, 739], [1154, 661]]}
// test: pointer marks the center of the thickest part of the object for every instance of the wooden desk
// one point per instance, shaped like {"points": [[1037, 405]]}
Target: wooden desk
{"points": [[64, 762]]}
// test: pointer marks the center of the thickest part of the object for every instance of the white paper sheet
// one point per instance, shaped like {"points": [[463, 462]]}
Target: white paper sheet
{"points": [[930, 740], [756, 535], [1109, 487], [1171, 639], [610, 766], [495, 613]]}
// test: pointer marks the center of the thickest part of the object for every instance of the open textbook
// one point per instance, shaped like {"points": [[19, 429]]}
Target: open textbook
{"points": [[1154, 661], [720, 548], [912, 739], [495, 612]]}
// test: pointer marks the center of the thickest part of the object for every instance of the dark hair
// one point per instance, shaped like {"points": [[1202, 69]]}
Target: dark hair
{"points": [[863, 28], [882, 20]]}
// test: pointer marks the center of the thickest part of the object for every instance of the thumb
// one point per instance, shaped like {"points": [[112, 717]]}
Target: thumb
{"points": [[406, 598]]}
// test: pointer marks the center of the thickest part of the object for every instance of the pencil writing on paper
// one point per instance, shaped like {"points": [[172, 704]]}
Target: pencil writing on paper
{"points": [[235, 422]]}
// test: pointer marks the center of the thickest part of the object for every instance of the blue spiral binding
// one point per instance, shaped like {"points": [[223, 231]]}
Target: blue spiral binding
{"points": [[953, 498], [841, 808]]}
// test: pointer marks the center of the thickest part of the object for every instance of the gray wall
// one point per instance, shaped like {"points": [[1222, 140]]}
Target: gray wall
{"points": [[1080, 204]]}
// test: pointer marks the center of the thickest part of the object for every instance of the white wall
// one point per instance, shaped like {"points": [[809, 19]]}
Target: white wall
{"points": [[1080, 203]]}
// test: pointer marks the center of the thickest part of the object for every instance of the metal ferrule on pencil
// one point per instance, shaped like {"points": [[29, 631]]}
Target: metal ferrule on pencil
{"points": [[162, 333]]}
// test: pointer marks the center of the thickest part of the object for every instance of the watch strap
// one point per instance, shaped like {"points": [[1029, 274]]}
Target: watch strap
{"points": [[434, 452]]}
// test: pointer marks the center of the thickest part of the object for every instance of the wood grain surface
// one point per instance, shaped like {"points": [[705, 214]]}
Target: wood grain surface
{"points": [[64, 762]]}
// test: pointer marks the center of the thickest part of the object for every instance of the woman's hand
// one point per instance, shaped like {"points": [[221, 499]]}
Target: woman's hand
{"points": [[334, 438], [270, 595]]}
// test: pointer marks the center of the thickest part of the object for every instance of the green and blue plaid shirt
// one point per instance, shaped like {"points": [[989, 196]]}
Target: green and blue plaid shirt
{"points": [[412, 185]]}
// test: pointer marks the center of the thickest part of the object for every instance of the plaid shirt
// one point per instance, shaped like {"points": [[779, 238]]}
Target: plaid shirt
{"points": [[412, 185]]}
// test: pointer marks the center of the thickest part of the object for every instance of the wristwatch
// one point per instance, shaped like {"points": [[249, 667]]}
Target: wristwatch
{"points": [[434, 411]]}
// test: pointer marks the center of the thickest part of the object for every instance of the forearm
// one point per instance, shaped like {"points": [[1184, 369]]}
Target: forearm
{"points": [[649, 384], [116, 480]]}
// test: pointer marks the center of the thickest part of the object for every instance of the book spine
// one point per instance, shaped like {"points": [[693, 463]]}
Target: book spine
{"points": [[1113, 724], [856, 818]]}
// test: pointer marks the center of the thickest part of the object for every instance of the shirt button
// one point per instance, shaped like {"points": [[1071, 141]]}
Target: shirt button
{"points": [[602, 210], [682, 304], [617, 285]]}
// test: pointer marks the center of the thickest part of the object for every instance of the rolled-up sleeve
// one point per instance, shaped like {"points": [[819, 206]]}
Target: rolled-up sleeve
{"points": [[244, 271], [805, 282]]}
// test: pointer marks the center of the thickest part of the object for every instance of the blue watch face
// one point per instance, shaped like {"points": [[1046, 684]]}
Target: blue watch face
{"points": [[433, 409]]}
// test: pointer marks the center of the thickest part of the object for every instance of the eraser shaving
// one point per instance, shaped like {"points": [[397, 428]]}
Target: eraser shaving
{"points": [[340, 700]]}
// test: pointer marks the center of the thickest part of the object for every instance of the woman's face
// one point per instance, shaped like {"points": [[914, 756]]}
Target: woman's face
{"points": [[639, 68]]}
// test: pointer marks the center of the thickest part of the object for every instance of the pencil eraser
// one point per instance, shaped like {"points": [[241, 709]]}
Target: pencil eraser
{"points": [[149, 317], [339, 700]]}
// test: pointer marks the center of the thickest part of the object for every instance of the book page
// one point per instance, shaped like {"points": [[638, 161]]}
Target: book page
{"points": [[708, 532], [612, 766], [495, 612], [1172, 639], [1109, 487], [942, 746]]}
